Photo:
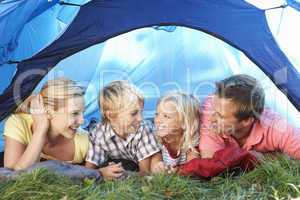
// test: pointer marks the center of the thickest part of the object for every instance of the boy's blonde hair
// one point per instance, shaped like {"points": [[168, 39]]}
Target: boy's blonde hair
{"points": [[188, 108], [55, 93], [117, 97]]}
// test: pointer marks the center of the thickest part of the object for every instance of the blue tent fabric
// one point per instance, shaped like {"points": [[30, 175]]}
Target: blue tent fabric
{"points": [[14, 14], [238, 23], [294, 4]]}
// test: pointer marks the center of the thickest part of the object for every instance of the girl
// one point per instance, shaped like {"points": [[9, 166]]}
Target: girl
{"points": [[45, 126], [177, 123]]}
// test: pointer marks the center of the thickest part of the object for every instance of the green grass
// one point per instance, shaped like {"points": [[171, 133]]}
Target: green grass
{"points": [[274, 179]]}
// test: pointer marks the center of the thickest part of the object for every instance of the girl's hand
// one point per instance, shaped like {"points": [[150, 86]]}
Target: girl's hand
{"points": [[159, 167], [172, 169], [39, 115]]}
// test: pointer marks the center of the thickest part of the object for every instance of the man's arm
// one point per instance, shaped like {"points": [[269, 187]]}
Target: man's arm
{"points": [[285, 138], [209, 142]]}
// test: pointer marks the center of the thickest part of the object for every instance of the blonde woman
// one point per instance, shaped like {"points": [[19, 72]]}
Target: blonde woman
{"points": [[45, 127], [177, 123]]}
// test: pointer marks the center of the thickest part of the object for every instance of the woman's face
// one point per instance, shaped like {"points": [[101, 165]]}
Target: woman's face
{"points": [[68, 118], [167, 120]]}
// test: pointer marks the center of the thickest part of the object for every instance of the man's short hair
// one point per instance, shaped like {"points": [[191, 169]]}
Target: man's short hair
{"points": [[246, 92]]}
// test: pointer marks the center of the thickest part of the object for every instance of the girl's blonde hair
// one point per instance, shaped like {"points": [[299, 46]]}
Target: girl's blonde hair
{"points": [[117, 97], [54, 93], [188, 108]]}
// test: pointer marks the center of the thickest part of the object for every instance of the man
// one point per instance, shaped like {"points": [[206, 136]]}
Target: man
{"points": [[235, 115]]}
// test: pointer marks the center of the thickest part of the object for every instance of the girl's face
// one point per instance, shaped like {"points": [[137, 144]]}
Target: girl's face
{"points": [[68, 118], [167, 120]]}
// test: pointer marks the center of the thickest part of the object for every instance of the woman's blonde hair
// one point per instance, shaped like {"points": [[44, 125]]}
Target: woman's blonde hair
{"points": [[188, 108], [54, 93], [117, 97]]}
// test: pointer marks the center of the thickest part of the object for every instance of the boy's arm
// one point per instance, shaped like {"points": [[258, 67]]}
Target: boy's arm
{"points": [[146, 149], [112, 171], [96, 155], [109, 172], [144, 165]]}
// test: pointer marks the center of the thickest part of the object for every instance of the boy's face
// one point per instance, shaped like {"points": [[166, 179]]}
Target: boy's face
{"points": [[128, 120]]}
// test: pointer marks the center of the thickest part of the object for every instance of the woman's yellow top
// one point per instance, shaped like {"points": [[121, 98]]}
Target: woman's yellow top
{"points": [[18, 127]]}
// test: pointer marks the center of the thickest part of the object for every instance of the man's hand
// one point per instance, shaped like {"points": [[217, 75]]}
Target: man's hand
{"points": [[259, 156]]}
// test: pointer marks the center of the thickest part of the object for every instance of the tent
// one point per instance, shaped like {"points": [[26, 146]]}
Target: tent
{"points": [[159, 45]]}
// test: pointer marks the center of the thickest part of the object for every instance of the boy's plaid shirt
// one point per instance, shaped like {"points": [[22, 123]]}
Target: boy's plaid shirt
{"points": [[106, 144]]}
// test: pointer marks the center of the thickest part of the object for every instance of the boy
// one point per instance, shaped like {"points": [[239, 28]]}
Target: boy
{"points": [[122, 135]]}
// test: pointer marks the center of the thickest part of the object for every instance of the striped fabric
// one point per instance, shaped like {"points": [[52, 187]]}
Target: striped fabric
{"points": [[169, 160], [181, 158]]}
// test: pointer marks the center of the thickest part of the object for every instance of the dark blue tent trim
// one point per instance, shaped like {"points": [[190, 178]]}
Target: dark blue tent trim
{"points": [[234, 21], [294, 4]]}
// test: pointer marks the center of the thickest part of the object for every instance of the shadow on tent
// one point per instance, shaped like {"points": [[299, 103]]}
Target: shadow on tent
{"points": [[1, 159]]}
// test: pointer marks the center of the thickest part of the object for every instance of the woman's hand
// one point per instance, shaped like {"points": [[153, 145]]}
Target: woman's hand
{"points": [[39, 115], [19, 156]]}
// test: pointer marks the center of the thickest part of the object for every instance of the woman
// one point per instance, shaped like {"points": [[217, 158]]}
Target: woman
{"points": [[45, 126]]}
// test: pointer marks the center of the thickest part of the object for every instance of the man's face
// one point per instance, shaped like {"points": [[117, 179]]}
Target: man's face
{"points": [[129, 119], [223, 118]]}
